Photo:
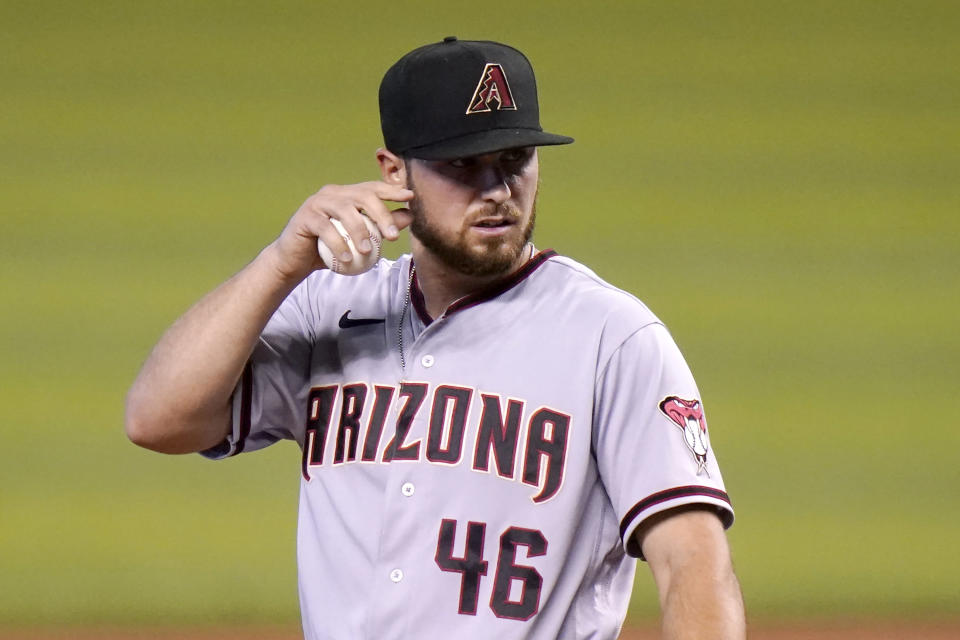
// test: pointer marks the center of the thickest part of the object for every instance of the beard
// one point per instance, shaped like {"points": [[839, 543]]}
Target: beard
{"points": [[492, 257]]}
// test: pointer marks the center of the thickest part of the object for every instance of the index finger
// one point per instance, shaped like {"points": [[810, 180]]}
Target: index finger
{"points": [[389, 192]]}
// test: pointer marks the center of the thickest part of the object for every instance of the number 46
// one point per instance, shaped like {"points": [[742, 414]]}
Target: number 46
{"points": [[472, 566]]}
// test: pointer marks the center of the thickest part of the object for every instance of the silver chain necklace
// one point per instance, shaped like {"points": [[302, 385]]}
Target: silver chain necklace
{"points": [[403, 315]]}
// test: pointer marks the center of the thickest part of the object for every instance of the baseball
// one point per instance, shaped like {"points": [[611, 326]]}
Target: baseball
{"points": [[361, 262]]}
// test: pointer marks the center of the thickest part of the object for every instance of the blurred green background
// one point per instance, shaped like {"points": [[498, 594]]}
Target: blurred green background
{"points": [[777, 180]]}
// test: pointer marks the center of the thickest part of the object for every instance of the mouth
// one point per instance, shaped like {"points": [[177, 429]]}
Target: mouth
{"points": [[494, 227], [494, 223]]}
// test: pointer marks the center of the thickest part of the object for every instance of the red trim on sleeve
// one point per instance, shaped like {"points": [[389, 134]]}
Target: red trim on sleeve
{"points": [[673, 494]]}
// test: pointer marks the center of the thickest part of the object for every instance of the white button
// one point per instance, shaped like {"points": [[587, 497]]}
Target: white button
{"points": [[407, 489], [396, 575], [427, 361]]}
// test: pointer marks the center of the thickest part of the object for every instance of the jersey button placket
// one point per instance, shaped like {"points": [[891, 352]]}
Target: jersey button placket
{"points": [[398, 561], [427, 361]]}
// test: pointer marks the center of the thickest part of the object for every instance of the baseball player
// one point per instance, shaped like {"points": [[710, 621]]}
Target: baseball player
{"points": [[491, 435]]}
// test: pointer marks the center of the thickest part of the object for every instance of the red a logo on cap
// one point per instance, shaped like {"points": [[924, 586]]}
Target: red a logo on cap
{"points": [[492, 88]]}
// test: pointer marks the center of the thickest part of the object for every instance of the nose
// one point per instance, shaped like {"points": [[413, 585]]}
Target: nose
{"points": [[496, 184]]}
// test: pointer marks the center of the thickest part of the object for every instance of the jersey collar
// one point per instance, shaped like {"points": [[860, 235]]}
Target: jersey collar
{"points": [[488, 293]]}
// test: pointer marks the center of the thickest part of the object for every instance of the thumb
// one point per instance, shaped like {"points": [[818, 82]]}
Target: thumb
{"points": [[402, 217]]}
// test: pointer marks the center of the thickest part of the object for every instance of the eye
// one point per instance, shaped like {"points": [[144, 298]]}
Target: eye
{"points": [[463, 163], [514, 155], [515, 161]]}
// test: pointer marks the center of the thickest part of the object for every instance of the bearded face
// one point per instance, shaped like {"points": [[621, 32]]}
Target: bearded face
{"points": [[479, 240]]}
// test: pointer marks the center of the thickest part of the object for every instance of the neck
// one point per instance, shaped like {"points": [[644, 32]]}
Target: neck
{"points": [[442, 286]]}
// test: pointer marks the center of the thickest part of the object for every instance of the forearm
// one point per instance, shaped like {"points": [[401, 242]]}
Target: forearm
{"points": [[180, 401], [703, 602], [688, 555]]}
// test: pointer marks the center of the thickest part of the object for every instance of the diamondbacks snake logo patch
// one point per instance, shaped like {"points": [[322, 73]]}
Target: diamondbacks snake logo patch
{"points": [[688, 416]]}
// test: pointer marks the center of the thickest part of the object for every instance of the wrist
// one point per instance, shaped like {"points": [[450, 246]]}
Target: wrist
{"points": [[284, 276]]}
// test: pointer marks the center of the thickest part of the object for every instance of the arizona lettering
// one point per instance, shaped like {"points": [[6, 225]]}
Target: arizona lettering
{"points": [[445, 425]]}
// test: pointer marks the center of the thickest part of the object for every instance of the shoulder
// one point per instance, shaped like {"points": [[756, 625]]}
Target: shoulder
{"points": [[580, 289], [318, 302]]}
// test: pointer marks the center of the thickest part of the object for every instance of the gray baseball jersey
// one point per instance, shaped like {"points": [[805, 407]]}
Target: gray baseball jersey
{"points": [[481, 473]]}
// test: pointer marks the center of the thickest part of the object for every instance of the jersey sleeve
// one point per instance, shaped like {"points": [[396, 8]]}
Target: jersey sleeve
{"points": [[267, 401], [652, 444]]}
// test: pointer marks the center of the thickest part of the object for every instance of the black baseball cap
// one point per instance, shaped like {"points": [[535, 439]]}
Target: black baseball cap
{"points": [[460, 98]]}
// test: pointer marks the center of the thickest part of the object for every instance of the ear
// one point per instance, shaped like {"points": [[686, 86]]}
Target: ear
{"points": [[393, 169]]}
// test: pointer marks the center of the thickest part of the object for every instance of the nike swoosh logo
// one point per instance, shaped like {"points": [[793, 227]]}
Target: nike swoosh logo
{"points": [[346, 322]]}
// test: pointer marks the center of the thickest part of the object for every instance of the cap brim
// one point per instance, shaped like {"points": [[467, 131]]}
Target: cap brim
{"points": [[481, 142]]}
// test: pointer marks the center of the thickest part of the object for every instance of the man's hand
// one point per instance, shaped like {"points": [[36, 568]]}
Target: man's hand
{"points": [[295, 251]]}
